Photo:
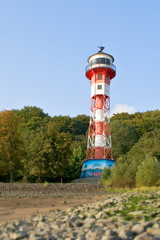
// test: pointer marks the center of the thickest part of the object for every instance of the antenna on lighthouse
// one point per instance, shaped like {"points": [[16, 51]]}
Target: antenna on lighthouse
{"points": [[101, 48]]}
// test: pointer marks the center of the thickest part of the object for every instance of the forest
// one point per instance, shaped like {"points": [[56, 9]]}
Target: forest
{"points": [[35, 147]]}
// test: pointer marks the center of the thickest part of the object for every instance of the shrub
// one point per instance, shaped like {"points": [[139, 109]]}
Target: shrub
{"points": [[105, 174], [148, 173], [118, 178]]}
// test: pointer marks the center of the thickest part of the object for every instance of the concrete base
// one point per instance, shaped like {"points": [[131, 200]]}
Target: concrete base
{"points": [[92, 168]]}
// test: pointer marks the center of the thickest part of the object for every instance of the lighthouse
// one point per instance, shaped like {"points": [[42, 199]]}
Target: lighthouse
{"points": [[100, 71]]}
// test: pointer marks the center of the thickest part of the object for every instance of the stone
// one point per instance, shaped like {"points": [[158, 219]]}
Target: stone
{"points": [[91, 235], [110, 238], [136, 213], [110, 232], [68, 224], [154, 231], [103, 221], [100, 215], [69, 238], [125, 234], [99, 231], [147, 224], [144, 236], [89, 222], [90, 215], [138, 229], [74, 219], [78, 223], [98, 225], [156, 225], [81, 237], [41, 225], [82, 216], [18, 235]]}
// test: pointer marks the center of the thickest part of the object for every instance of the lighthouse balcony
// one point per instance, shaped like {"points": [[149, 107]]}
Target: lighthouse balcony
{"points": [[101, 63]]}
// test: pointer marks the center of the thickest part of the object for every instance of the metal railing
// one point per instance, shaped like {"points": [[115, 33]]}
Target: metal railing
{"points": [[100, 65]]}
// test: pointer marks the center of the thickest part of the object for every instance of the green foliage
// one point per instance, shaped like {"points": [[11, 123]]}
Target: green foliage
{"points": [[143, 122], [39, 155], [74, 167], [118, 177], [124, 137], [61, 146], [37, 147], [126, 167], [105, 174], [143, 130], [32, 121], [28, 113], [11, 145], [53, 147], [81, 123], [148, 172], [62, 123]]}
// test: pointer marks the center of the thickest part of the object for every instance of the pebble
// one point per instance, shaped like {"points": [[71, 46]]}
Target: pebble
{"points": [[88, 222], [93, 221], [33, 190], [144, 236], [125, 234], [138, 228]]}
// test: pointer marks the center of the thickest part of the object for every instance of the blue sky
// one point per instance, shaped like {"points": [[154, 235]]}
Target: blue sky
{"points": [[44, 46]]}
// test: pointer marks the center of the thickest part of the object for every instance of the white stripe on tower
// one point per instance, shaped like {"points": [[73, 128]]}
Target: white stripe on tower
{"points": [[100, 89]]}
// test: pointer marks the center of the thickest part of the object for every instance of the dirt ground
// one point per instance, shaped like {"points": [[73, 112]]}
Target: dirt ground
{"points": [[12, 208]]}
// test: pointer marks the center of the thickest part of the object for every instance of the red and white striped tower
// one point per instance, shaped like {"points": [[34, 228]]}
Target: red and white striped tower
{"points": [[100, 71]]}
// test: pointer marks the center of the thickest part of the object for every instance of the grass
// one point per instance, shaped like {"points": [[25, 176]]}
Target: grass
{"points": [[139, 203], [131, 190]]}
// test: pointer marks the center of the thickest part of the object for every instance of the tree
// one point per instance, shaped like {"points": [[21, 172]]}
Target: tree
{"points": [[29, 112], [126, 167], [74, 167], [39, 154], [123, 136], [148, 172], [61, 146], [11, 145], [63, 123], [142, 122], [32, 121], [81, 124]]}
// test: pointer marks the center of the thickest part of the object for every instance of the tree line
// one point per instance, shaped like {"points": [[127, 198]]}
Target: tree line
{"points": [[136, 148], [35, 147]]}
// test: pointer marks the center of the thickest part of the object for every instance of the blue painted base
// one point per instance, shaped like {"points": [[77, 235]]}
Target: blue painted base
{"points": [[92, 168]]}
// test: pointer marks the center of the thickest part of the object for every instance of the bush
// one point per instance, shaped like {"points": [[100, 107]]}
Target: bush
{"points": [[119, 178], [105, 174], [148, 173]]}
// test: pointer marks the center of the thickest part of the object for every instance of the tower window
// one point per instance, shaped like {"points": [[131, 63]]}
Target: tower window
{"points": [[102, 60], [108, 61], [99, 87], [99, 76]]}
